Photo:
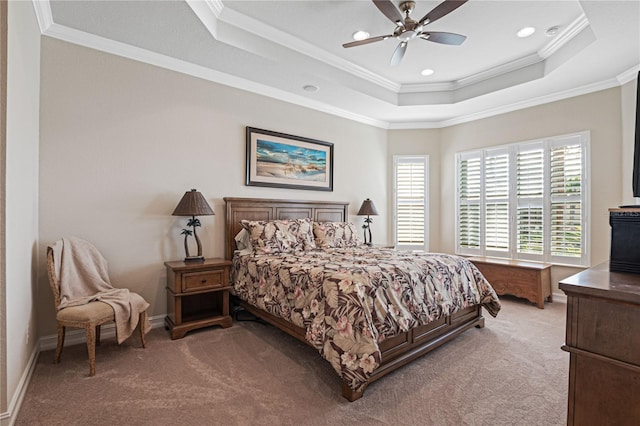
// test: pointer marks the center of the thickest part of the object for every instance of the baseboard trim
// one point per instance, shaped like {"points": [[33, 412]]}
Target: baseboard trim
{"points": [[72, 337], [77, 336], [8, 418], [560, 297]]}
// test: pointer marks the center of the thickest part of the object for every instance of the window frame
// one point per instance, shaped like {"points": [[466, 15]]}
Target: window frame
{"points": [[547, 144], [411, 158]]}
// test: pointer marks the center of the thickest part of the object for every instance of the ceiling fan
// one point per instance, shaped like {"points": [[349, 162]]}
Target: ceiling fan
{"points": [[408, 29]]}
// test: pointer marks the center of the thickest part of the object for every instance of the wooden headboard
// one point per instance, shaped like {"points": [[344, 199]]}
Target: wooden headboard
{"points": [[238, 209]]}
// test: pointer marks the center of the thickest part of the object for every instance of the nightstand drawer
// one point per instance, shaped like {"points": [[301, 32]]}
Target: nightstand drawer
{"points": [[195, 281]]}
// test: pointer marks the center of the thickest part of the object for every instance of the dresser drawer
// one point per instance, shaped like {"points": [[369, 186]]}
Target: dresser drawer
{"points": [[196, 281]]}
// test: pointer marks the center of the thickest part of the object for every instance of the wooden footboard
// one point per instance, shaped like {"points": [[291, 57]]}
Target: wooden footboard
{"points": [[396, 351], [404, 348]]}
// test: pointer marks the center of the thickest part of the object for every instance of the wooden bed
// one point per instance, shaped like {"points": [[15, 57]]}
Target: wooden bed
{"points": [[396, 351]]}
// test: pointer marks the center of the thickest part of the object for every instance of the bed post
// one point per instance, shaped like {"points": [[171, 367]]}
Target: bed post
{"points": [[349, 393]]}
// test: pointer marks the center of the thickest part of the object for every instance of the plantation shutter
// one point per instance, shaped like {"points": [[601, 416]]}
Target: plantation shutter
{"points": [[411, 201], [469, 190], [566, 200], [497, 201], [525, 200], [529, 194]]}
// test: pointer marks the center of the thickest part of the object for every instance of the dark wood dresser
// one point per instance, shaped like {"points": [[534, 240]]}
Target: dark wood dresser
{"points": [[603, 339]]}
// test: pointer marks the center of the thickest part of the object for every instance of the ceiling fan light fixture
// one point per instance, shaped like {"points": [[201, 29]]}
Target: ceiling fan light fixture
{"points": [[360, 35], [526, 32], [427, 72]]}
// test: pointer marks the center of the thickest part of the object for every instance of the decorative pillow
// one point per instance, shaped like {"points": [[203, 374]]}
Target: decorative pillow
{"points": [[305, 233], [243, 242], [279, 236], [335, 234]]}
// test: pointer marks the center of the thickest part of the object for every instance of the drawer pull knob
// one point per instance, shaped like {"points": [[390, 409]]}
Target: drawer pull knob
{"points": [[203, 281]]}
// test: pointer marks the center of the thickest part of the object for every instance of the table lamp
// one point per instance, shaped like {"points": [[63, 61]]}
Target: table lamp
{"points": [[192, 204], [367, 209]]}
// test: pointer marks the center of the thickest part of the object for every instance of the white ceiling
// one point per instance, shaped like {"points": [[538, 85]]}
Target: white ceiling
{"points": [[277, 47]]}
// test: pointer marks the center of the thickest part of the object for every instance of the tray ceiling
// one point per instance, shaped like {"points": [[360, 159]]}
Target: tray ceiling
{"points": [[280, 48]]}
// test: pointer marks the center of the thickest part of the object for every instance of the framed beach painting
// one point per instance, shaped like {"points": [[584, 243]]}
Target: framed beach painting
{"points": [[286, 161]]}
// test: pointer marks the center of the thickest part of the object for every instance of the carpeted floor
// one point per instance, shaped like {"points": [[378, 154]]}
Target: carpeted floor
{"points": [[512, 372]]}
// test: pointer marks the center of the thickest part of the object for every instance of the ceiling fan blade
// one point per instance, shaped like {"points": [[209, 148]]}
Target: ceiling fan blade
{"points": [[390, 11], [441, 10], [398, 53], [444, 38], [366, 41]]}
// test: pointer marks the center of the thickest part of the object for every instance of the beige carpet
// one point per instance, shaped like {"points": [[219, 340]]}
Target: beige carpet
{"points": [[510, 373]]}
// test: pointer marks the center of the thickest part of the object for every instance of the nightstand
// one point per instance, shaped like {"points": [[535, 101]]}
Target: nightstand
{"points": [[197, 295]]}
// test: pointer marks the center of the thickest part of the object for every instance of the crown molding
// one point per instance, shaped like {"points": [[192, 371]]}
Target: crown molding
{"points": [[215, 9], [43, 14], [549, 49], [141, 55], [267, 32], [274, 35], [579, 91], [565, 36], [566, 94], [628, 75], [208, 13], [475, 78], [92, 41]]}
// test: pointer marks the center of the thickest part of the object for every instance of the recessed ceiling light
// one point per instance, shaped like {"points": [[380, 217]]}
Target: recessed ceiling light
{"points": [[310, 88], [526, 32], [427, 71], [360, 35], [551, 31]]}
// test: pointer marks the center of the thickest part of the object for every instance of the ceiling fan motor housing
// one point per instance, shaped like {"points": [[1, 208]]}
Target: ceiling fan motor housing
{"points": [[407, 7]]}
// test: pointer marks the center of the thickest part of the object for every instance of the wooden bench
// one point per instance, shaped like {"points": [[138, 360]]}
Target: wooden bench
{"points": [[529, 280]]}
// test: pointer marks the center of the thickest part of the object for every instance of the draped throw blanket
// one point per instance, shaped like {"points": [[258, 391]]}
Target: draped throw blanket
{"points": [[82, 273]]}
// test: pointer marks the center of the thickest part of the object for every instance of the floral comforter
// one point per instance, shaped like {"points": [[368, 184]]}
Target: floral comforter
{"points": [[350, 299]]}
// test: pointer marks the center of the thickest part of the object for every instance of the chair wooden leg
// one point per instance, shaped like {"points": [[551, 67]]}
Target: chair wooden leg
{"points": [[91, 348], [61, 332], [141, 322], [97, 335]]}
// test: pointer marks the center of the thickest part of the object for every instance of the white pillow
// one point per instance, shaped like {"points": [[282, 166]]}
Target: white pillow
{"points": [[243, 242]]}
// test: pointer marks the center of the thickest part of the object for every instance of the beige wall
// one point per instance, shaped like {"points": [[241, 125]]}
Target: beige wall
{"points": [[21, 197], [628, 100], [121, 141], [598, 113]]}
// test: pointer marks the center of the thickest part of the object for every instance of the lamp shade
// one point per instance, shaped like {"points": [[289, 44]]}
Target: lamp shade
{"points": [[193, 204], [367, 208]]}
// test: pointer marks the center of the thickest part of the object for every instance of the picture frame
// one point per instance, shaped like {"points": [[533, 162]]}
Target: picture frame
{"points": [[279, 160]]}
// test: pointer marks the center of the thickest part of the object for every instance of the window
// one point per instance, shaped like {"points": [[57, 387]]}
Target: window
{"points": [[410, 201], [525, 201]]}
